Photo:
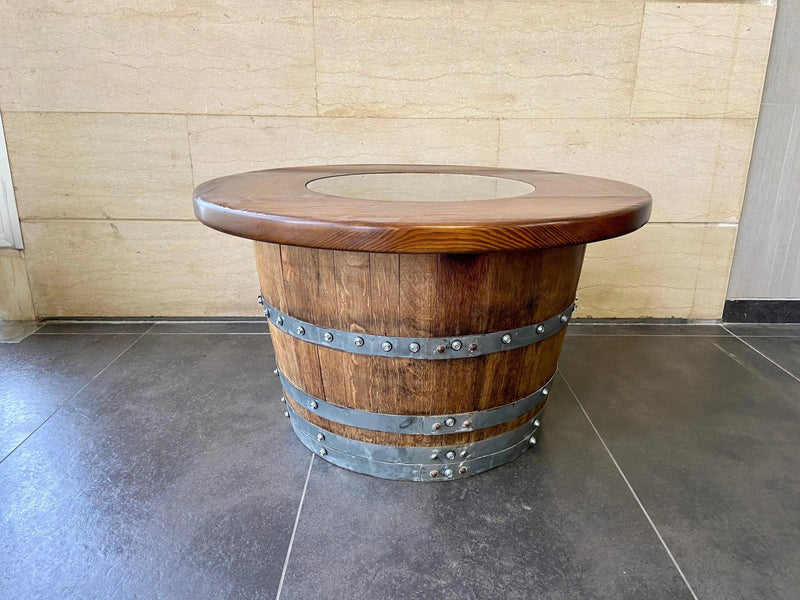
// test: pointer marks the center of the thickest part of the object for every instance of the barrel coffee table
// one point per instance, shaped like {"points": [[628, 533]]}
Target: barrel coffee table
{"points": [[417, 312]]}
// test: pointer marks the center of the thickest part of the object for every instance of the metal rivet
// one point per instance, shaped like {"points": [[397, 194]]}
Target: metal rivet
{"points": [[533, 441], [434, 473], [261, 300], [564, 318], [450, 455], [386, 346], [275, 372], [279, 321], [448, 472], [467, 424], [449, 421], [462, 470], [545, 392], [540, 329], [300, 330], [414, 347], [359, 341], [314, 404], [327, 336], [440, 349], [434, 455], [286, 414], [463, 454], [267, 313], [436, 426], [473, 347], [320, 437], [323, 452], [456, 345], [536, 423], [283, 398], [506, 338]]}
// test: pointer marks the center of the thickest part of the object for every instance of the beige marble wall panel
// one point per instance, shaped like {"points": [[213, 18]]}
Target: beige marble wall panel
{"points": [[135, 268], [695, 169], [476, 59], [702, 59], [226, 145], [649, 273], [208, 56], [100, 166], [714, 269], [15, 294]]}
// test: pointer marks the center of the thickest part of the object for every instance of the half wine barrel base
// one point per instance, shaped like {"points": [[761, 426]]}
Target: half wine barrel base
{"points": [[417, 312]]}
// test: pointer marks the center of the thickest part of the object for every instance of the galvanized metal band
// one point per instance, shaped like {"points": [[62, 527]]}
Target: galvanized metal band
{"points": [[417, 424], [440, 348], [414, 463]]}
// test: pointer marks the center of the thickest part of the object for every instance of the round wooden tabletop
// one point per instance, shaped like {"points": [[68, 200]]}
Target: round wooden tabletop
{"points": [[420, 208]]}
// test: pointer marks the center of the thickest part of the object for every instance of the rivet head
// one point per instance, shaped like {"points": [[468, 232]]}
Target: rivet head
{"points": [[414, 347], [261, 300], [564, 318], [386, 346], [275, 372], [434, 455], [436, 426], [286, 414], [456, 344], [467, 424], [440, 349], [267, 313], [279, 321], [449, 421], [532, 441], [327, 336], [359, 341], [283, 398], [473, 347], [447, 472], [314, 404], [540, 329], [323, 452], [301, 331], [450, 455], [462, 470], [463, 454], [506, 338], [320, 437], [545, 392], [434, 473], [536, 423]]}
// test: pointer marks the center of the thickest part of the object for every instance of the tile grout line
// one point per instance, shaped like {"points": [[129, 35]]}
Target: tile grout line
{"points": [[630, 487], [789, 373], [294, 529], [68, 400]]}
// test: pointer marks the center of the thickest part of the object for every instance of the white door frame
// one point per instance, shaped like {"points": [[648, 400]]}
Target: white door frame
{"points": [[10, 232]]}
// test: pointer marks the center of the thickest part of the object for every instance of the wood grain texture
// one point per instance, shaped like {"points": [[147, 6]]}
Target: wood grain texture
{"points": [[276, 206], [426, 295]]}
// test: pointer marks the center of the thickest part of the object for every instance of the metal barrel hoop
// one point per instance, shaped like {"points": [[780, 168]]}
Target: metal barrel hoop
{"points": [[439, 348]]}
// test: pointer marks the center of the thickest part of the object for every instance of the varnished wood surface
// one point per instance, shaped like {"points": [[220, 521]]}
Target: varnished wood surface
{"points": [[276, 206], [408, 295]]}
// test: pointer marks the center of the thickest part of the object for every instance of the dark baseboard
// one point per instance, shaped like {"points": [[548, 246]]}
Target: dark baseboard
{"points": [[761, 311]]}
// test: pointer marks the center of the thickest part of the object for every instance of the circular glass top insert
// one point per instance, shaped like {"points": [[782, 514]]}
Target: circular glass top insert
{"points": [[420, 187]]}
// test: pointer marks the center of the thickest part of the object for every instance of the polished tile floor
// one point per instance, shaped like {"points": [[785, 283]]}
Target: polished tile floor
{"points": [[146, 460]]}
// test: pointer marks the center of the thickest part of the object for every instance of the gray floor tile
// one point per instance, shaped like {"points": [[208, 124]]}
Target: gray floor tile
{"points": [[557, 523], [785, 351], [41, 372], [212, 327], [578, 328], [765, 329], [708, 433], [94, 328], [173, 475]]}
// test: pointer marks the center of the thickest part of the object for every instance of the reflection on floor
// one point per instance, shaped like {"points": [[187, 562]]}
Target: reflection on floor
{"points": [[143, 460]]}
